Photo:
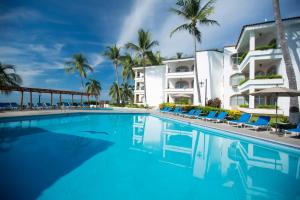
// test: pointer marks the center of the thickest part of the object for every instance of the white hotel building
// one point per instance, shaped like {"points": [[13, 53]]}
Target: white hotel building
{"points": [[220, 72]]}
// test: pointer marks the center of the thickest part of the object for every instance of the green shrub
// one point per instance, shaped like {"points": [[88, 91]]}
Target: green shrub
{"points": [[244, 106], [272, 45], [273, 76], [169, 105], [242, 57], [266, 106], [244, 81]]}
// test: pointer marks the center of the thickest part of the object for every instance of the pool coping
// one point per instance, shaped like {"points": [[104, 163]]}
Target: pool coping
{"points": [[263, 139]]}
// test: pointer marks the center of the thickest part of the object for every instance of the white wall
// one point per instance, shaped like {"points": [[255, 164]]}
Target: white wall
{"points": [[210, 67], [155, 84]]}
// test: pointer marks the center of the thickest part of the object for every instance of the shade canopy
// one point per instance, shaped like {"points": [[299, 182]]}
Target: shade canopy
{"points": [[277, 91]]}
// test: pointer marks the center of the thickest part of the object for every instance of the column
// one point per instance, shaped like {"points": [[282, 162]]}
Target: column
{"points": [[72, 99], [251, 99], [30, 99], [51, 99], [60, 101], [81, 100], [251, 69], [252, 41], [21, 99]]}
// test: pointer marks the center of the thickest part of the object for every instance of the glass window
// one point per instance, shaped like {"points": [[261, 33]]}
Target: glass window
{"points": [[182, 84], [182, 69]]}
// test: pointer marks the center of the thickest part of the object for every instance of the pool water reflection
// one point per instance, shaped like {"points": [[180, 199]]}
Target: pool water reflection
{"points": [[129, 156]]}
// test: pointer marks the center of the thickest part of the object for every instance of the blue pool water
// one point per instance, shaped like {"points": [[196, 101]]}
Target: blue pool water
{"points": [[130, 156]]}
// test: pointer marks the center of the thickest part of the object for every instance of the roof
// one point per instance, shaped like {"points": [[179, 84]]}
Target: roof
{"points": [[42, 90], [261, 23]]}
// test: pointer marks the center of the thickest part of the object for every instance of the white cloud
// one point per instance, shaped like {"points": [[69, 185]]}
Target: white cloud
{"points": [[29, 76], [141, 11]]}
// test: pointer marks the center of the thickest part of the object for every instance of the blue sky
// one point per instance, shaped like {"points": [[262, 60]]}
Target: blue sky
{"points": [[39, 36]]}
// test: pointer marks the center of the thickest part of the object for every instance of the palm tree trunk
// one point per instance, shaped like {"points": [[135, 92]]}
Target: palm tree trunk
{"points": [[81, 79], [144, 71], [294, 103], [117, 79], [196, 70]]}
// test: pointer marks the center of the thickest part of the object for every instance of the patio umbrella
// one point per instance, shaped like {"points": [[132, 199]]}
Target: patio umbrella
{"points": [[277, 92]]}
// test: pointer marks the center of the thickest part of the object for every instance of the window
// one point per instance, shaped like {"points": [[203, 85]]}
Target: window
{"points": [[182, 69], [236, 79], [237, 100], [272, 70], [182, 84]]}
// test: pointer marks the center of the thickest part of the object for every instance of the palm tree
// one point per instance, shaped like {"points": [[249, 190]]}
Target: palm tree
{"points": [[113, 53], [144, 52], [179, 55], [128, 64], [8, 76], [194, 14], [114, 92], [94, 88], [294, 103], [127, 92], [78, 64]]}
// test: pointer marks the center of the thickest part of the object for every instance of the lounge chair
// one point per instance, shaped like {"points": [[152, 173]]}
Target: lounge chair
{"points": [[165, 109], [188, 113], [5, 106], [240, 122], [220, 118], [176, 110], [261, 123], [40, 106], [196, 114], [14, 106], [47, 105], [293, 130], [210, 115]]}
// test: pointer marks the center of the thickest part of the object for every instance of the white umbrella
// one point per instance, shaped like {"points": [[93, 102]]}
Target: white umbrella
{"points": [[277, 92]]}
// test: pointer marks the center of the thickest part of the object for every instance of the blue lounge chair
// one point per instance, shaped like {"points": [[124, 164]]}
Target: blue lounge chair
{"points": [[210, 115], [196, 114], [165, 109], [175, 110], [5, 106], [293, 130], [261, 123], [14, 106], [220, 118], [178, 112], [188, 113], [240, 122]]}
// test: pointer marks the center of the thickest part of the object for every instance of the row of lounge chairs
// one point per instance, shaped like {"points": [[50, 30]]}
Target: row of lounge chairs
{"points": [[39, 106], [263, 122]]}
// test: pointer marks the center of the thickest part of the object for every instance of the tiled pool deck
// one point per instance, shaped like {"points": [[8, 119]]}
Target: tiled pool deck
{"points": [[263, 135]]}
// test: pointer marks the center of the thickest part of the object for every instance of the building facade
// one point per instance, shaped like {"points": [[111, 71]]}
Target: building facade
{"points": [[230, 74]]}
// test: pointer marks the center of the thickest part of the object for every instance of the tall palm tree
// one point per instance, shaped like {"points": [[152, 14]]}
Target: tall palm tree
{"points": [[78, 64], [128, 64], [294, 103], [114, 92], [94, 88], [195, 15], [8, 76], [127, 92], [143, 49], [113, 53]]}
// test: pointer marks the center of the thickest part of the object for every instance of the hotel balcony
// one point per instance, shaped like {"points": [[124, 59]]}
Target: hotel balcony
{"points": [[180, 68], [260, 84]]}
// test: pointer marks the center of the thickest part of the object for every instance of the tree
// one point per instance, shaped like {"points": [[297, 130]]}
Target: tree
{"points": [[128, 64], [194, 14], [143, 49], [78, 64], [93, 87], [8, 76], [294, 103], [113, 53], [114, 92], [127, 92], [179, 55]]}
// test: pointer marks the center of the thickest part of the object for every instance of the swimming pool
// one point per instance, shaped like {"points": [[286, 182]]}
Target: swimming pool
{"points": [[138, 156]]}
